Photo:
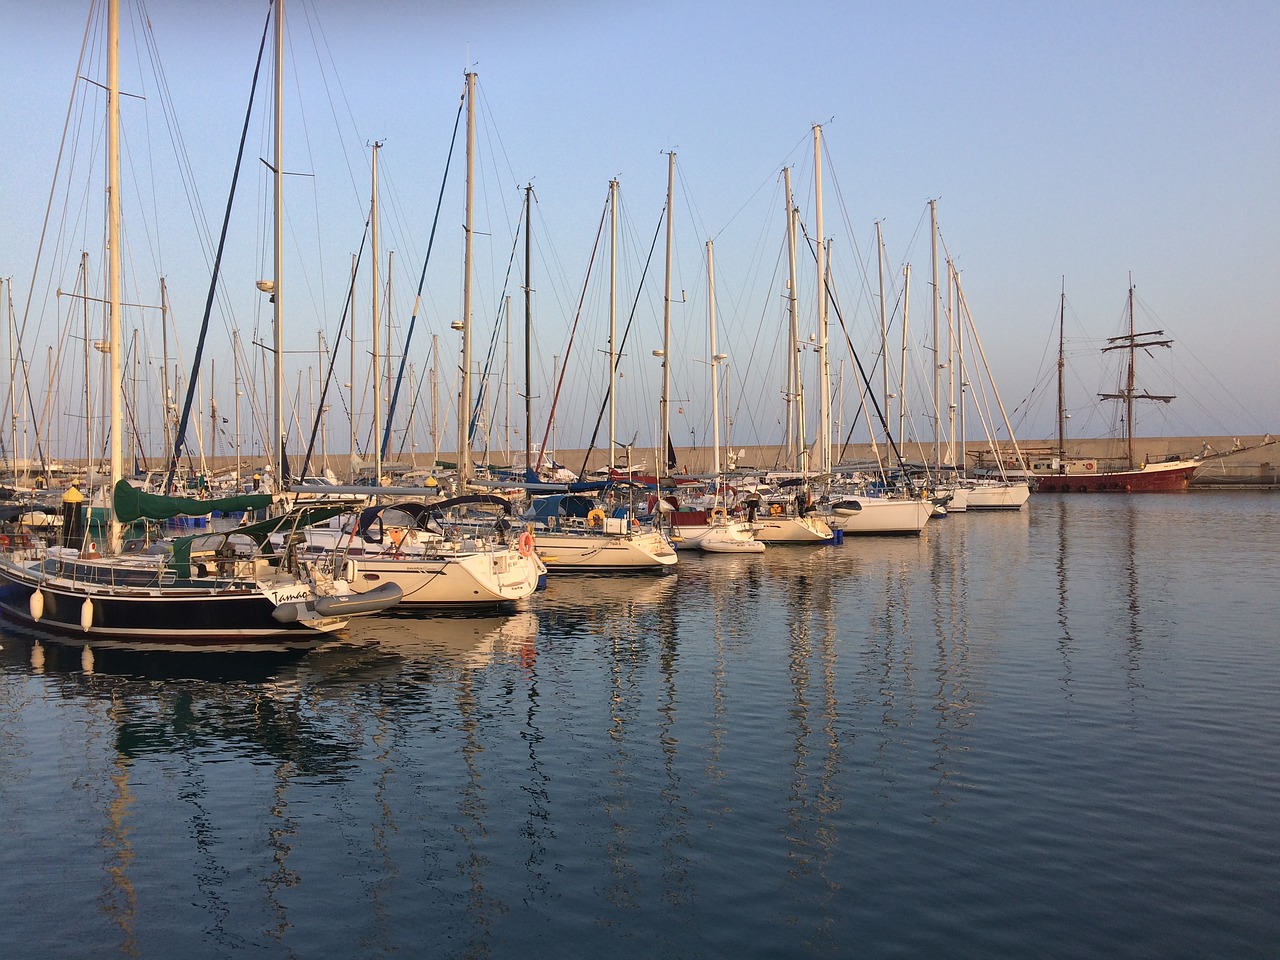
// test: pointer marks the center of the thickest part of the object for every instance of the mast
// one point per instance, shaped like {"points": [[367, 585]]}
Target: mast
{"points": [[952, 334], [1128, 392], [386, 353], [715, 359], [13, 402], [937, 351], [434, 377], [613, 319], [664, 441], [884, 327], [235, 368], [797, 451], [962, 461], [528, 328], [824, 367], [277, 171], [167, 406], [1131, 342], [351, 387], [506, 372], [1062, 409], [464, 401], [114, 258], [902, 387], [88, 374], [322, 354], [213, 410], [377, 356]]}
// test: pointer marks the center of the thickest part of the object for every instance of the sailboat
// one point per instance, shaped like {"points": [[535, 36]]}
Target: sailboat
{"points": [[209, 590], [1127, 475], [847, 505], [787, 515], [428, 549], [711, 530], [573, 532]]}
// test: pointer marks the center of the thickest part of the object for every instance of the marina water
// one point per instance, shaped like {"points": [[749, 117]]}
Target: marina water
{"points": [[1050, 733]]}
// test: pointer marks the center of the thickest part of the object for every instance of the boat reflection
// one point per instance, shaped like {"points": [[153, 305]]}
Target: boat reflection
{"points": [[50, 652], [463, 641]]}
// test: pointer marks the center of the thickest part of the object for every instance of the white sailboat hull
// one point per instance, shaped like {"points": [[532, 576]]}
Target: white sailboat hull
{"points": [[1009, 495], [806, 529], [878, 515], [726, 537], [482, 577], [562, 550]]}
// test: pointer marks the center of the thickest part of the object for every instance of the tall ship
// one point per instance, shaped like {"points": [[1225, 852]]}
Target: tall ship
{"points": [[1063, 474]]}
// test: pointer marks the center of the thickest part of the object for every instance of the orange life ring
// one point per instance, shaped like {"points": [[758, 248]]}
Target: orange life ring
{"points": [[595, 518], [775, 509], [525, 543], [719, 513], [1089, 465]]}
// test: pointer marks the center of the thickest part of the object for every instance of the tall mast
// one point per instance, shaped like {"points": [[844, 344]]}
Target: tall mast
{"points": [[613, 319], [1062, 409], [13, 400], [386, 353], [377, 356], [1128, 393], [962, 460], [351, 387], [797, 452], [88, 373], [528, 328], [664, 441], [277, 171], [902, 387], [937, 348], [213, 406], [167, 405], [1131, 344], [953, 333], [506, 372], [884, 326], [824, 367], [235, 368], [464, 401], [715, 358], [114, 255], [435, 398]]}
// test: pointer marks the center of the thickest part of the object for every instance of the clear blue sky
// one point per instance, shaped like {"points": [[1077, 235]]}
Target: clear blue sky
{"points": [[1091, 141]]}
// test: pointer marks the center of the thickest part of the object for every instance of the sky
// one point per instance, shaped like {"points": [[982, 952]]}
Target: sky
{"points": [[1069, 147]]}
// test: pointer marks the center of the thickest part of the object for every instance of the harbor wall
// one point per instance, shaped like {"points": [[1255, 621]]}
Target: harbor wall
{"points": [[1256, 459]]}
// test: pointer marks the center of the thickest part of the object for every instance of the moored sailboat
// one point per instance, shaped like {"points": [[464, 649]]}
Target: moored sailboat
{"points": [[571, 532], [211, 590], [1125, 475]]}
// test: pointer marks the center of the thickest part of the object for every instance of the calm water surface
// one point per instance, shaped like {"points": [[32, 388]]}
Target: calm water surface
{"points": [[1047, 734]]}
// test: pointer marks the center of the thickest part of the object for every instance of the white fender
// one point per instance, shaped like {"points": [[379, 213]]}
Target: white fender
{"points": [[37, 606], [86, 614]]}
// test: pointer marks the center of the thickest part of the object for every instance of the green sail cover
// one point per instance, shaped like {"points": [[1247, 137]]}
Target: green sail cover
{"points": [[132, 504]]}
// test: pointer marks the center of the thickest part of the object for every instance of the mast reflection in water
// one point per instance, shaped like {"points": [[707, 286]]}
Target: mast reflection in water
{"points": [[1036, 733]]}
